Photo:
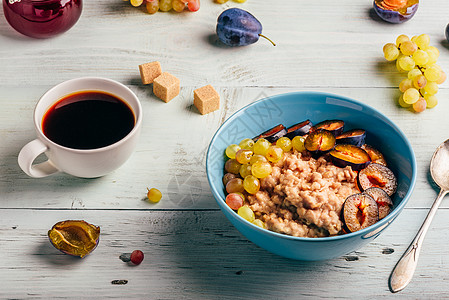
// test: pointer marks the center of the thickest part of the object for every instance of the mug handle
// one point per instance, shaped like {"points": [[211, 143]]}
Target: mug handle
{"points": [[29, 153]]}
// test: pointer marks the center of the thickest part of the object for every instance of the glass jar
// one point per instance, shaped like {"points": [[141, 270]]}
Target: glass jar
{"points": [[42, 18]]}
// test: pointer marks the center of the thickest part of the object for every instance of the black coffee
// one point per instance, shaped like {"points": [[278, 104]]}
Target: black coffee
{"points": [[88, 120]]}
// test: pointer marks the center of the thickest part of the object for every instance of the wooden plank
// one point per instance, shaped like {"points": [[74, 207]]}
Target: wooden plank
{"points": [[199, 255]]}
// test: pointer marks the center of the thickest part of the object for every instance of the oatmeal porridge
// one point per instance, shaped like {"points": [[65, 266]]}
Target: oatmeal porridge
{"points": [[304, 196]]}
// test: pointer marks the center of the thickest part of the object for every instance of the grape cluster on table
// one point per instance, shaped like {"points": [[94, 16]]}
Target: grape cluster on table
{"points": [[416, 57], [153, 6]]}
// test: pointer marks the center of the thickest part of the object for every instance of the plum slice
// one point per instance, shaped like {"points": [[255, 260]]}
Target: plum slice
{"points": [[334, 126], [354, 137], [272, 134], [302, 128], [319, 141], [375, 155], [382, 199], [377, 175], [360, 211], [349, 155]]}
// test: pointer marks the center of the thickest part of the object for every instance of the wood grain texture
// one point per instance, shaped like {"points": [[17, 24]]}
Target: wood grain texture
{"points": [[199, 255], [191, 250]]}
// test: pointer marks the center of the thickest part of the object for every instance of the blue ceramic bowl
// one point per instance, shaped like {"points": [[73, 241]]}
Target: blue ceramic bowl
{"points": [[293, 108]]}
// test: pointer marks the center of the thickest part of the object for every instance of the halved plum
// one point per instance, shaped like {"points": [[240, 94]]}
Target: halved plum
{"points": [[320, 141], [383, 201], [359, 211], [375, 155], [377, 175], [334, 126], [349, 155], [354, 137], [395, 11], [302, 128], [273, 134], [74, 237]]}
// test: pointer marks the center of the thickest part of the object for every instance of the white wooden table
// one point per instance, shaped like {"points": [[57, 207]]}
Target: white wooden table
{"points": [[191, 250]]}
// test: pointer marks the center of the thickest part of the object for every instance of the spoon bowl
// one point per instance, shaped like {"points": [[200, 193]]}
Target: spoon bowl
{"points": [[439, 166]]}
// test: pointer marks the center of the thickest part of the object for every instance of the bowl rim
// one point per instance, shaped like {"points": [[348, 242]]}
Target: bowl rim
{"points": [[372, 230]]}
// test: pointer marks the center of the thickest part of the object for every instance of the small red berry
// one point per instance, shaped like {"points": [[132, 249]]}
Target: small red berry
{"points": [[136, 257]]}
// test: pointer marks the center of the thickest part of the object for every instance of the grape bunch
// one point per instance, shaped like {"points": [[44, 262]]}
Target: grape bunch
{"points": [[153, 6], [416, 57], [224, 1], [249, 162]]}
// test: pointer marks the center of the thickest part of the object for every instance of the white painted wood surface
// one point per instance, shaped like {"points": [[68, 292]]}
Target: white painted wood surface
{"points": [[192, 251]]}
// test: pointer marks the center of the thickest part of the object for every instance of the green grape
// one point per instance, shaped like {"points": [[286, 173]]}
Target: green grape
{"points": [[154, 195], [232, 166], [136, 2], [411, 96], [152, 7], [433, 57], [274, 154], [235, 185], [420, 105], [405, 84], [431, 100], [251, 184], [245, 170], [298, 143], [431, 88], [408, 48], [234, 200], [227, 177], [221, 1], [243, 156], [284, 143], [442, 78], [420, 57], [247, 144], [419, 81], [413, 73], [231, 150], [398, 67], [165, 5], [402, 103], [406, 63], [261, 169], [400, 39], [391, 52], [178, 5], [432, 73], [246, 213], [261, 146], [422, 41], [257, 157], [434, 50], [413, 39], [260, 223]]}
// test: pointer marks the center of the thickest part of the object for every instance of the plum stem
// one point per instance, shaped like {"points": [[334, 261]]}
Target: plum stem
{"points": [[267, 39]]}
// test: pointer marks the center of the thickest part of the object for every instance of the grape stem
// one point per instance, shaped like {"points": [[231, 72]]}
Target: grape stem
{"points": [[267, 39]]}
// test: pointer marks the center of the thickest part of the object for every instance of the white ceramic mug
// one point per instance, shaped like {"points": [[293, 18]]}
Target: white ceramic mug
{"points": [[81, 163]]}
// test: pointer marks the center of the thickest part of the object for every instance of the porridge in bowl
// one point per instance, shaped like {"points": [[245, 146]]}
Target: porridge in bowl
{"points": [[309, 181]]}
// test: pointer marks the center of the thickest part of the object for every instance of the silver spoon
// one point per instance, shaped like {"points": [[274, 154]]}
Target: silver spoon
{"points": [[439, 169]]}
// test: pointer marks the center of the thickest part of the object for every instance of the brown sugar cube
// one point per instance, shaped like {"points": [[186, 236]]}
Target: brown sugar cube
{"points": [[149, 71], [206, 99], [166, 86]]}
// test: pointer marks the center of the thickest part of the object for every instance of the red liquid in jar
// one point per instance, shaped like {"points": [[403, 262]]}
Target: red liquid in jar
{"points": [[42, 18]]}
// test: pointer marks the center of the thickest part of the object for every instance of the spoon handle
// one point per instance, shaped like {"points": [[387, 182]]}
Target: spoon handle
{"points": [[403, 271]]}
